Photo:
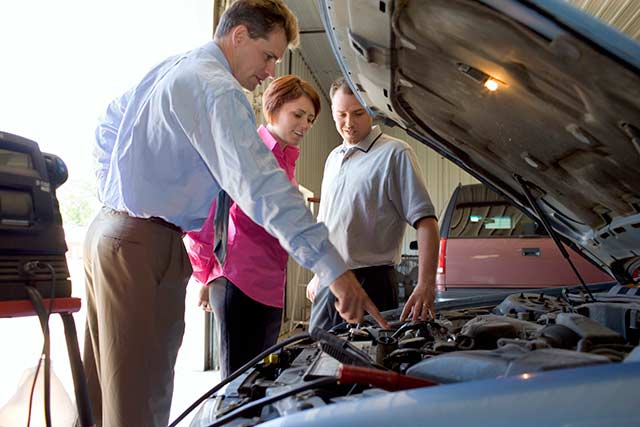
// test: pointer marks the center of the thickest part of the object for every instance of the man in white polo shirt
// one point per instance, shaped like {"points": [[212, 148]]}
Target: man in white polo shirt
{"points": [[371, 190]]}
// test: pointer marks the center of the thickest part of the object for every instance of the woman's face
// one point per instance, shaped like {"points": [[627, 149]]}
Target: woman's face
{"points": [[292, 121]]}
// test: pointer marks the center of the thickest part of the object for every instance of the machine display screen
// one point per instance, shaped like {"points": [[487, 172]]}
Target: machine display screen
{"points": [[15, 159]]}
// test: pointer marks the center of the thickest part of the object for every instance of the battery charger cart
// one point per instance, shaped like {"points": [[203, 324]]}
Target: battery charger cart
{"points": [[65, 307]]}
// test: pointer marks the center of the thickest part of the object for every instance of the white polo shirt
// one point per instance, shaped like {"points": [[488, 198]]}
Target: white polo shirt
{"points": [[370, 191]]}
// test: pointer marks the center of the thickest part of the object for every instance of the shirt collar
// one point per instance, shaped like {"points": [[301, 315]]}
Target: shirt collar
{"points": [[290, 153], [213, 47], [364, 145]]}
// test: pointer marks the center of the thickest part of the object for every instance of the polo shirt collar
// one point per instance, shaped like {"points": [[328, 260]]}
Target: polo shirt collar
{"points": [[364, 145]]}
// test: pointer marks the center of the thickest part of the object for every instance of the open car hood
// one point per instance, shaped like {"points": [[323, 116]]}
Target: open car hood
{"points": [[565, 116]]}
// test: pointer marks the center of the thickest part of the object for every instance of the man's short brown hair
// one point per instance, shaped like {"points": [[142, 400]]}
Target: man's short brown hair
{"points": [[339, 84], [284, 89], [260, 17]]}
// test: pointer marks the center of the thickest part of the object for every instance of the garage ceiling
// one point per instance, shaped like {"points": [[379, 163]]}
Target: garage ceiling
{"points": [[314, 47]]}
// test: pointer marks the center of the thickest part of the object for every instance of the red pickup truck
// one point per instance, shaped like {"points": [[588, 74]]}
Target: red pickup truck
{"points": [[488, 244]]}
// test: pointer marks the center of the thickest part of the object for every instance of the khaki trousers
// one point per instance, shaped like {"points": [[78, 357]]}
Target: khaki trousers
{"points": [[136, 274]]}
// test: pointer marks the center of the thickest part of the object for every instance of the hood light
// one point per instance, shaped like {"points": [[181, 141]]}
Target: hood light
{"points": [[491, 84]]}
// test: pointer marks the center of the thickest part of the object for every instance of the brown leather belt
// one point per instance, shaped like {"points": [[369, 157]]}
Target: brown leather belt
{"points": [[164, 223], [154, 219]]}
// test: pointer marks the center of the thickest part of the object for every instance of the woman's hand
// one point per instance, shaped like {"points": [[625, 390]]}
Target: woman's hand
{"points": [[203, 299]]}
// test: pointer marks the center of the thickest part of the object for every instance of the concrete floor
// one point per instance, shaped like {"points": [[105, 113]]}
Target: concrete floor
{"points": [[189, 386]]}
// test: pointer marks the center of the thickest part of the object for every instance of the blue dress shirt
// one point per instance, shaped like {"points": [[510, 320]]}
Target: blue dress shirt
{"points": [[170, 144]]}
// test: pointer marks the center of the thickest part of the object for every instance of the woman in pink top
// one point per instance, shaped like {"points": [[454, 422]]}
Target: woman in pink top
{"points": [[246, 293]]}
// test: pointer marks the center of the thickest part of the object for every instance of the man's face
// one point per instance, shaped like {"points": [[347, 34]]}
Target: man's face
{"points": [[255, 59], [352, 121]]}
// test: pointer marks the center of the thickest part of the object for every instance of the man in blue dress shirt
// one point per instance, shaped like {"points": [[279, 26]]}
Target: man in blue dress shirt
{"points": [[164, 150]]}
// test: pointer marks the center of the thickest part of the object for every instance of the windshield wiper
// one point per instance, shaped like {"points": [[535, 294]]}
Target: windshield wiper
{"points": [[554, 235]]}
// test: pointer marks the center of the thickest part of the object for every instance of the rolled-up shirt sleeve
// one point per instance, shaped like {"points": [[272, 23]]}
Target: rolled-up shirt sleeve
{"points": [[223, 132]]}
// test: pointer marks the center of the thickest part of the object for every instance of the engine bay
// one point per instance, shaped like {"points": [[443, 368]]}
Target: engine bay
{"points": [[525, 333]]}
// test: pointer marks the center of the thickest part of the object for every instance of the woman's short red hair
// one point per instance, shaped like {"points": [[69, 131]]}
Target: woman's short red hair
{"points": [[284, 89]]}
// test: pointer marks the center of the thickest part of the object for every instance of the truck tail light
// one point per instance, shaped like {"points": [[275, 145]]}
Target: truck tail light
{"points": [[442, 255]]}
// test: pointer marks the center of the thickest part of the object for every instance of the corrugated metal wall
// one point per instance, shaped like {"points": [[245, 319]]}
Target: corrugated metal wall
{"points": [[623, 15]]}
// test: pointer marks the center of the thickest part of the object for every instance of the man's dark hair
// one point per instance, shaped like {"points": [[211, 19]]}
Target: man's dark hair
{"points": [[260, 17], [340, 84]]}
